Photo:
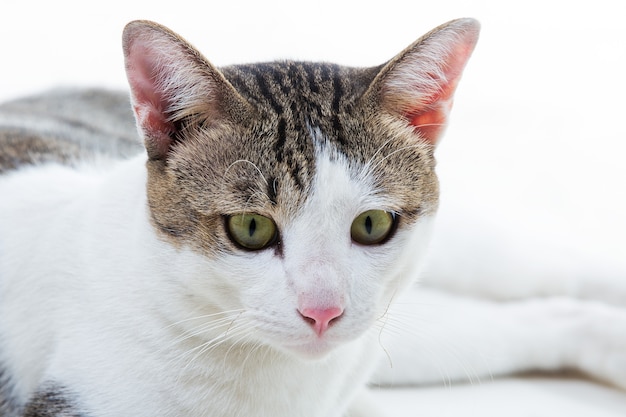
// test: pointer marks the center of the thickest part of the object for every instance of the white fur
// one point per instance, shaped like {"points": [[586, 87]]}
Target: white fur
{"points": [[92, 299]]}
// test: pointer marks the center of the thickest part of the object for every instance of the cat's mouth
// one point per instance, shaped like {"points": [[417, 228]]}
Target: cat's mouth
{"points": [[314, 349], [304, 343], [317, 346], [310, 333]]}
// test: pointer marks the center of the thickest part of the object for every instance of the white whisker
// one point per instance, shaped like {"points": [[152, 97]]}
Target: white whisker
{"points": [[245, 161], [237, 342], [205, 316], [404, 148], [380, 148], [206, 347], [397, 324], [204, 329]]}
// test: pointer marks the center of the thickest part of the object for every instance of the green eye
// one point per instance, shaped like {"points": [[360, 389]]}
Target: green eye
{"points": [[252, 231], [372, 227]]}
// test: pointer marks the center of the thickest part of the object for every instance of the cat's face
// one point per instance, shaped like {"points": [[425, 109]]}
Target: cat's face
{"points": [[305, 191]]}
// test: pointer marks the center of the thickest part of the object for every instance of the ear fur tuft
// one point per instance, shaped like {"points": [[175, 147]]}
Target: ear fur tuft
{"points": [[418, 84], [170, 81]]}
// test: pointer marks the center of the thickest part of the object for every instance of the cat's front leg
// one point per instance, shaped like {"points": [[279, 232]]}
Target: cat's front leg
{"points": [[436, 337]]}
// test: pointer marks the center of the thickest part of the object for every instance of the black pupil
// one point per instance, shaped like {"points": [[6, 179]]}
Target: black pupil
{"points": [[368, 225], [252, 227]]}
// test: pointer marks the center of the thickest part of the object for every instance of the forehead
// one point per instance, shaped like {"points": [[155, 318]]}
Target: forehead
{"points": [[290, 98], [308, 115]]}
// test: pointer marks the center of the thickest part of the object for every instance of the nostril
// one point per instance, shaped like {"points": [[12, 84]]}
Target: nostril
{"points": [[321, 319], [334, 319], [309, 320]]}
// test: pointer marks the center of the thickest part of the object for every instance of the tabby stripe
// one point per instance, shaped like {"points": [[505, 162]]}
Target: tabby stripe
{"points": [[282, 138], [313, 85], [297, 74], [272, 189], [337, 94], [297, 171], [325, 74], [266, 92], [281, 79], [242, 85], [297, 118]]}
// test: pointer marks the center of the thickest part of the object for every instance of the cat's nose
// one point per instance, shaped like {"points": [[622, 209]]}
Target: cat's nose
{"points": [[320, 319]]}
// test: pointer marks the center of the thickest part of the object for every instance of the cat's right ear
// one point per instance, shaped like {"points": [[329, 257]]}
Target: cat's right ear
{"points": [[171, 81]]}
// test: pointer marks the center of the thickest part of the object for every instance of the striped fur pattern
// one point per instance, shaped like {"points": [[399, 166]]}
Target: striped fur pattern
{"points": [[290, 101], [140, 301], [264, 114], [66, 126]]}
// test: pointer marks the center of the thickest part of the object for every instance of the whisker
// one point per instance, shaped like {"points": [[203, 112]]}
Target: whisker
{"points": [[429, 125], [237, 342], [368, 165], [205, 316], [383, 319], [398, 327], [435, 356], [230, 330], [254, 194], [256, 347], [404, 148], [246, 162], [204, 328], [380, 148], [207, 347]]}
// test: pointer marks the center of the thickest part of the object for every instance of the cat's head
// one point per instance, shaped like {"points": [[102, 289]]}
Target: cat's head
{"points": [[305, 190]]}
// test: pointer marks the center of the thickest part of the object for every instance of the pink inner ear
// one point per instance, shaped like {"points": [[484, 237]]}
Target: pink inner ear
{"points": [[430, 119], [149, 102], [431, 123]]}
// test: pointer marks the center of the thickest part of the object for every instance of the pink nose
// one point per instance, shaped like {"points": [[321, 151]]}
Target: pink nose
{"points": [[321, 319]]}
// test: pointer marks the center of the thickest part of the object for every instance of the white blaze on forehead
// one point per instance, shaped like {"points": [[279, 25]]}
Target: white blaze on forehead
{"points": [[340, 187], [318, 245]]}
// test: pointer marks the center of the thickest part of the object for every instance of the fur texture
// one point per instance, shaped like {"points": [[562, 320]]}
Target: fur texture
{"points": [[124, 292]]}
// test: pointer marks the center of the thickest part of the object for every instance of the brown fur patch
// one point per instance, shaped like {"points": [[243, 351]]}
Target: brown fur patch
{"points": [[245, 138], [265, 163], [52, 401]]}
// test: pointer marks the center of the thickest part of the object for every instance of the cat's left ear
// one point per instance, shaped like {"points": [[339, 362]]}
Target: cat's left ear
{"points": [[418, 84]]}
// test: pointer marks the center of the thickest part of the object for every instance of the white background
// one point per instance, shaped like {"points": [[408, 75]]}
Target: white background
{"points": [[537, 133]]}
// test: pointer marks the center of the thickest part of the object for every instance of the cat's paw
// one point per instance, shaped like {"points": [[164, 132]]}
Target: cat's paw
{"points": [[600, 350], [588, 336]]}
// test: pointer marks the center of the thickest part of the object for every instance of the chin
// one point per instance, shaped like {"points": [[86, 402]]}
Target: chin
{"points": [[314, 348], [313, 351]]}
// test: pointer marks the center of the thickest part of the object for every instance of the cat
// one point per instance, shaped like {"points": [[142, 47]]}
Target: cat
{"points": [[256, 256]]}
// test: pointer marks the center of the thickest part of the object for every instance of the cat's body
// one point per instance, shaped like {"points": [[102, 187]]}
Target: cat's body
{"points": [[128, 288], [245, 380]]}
